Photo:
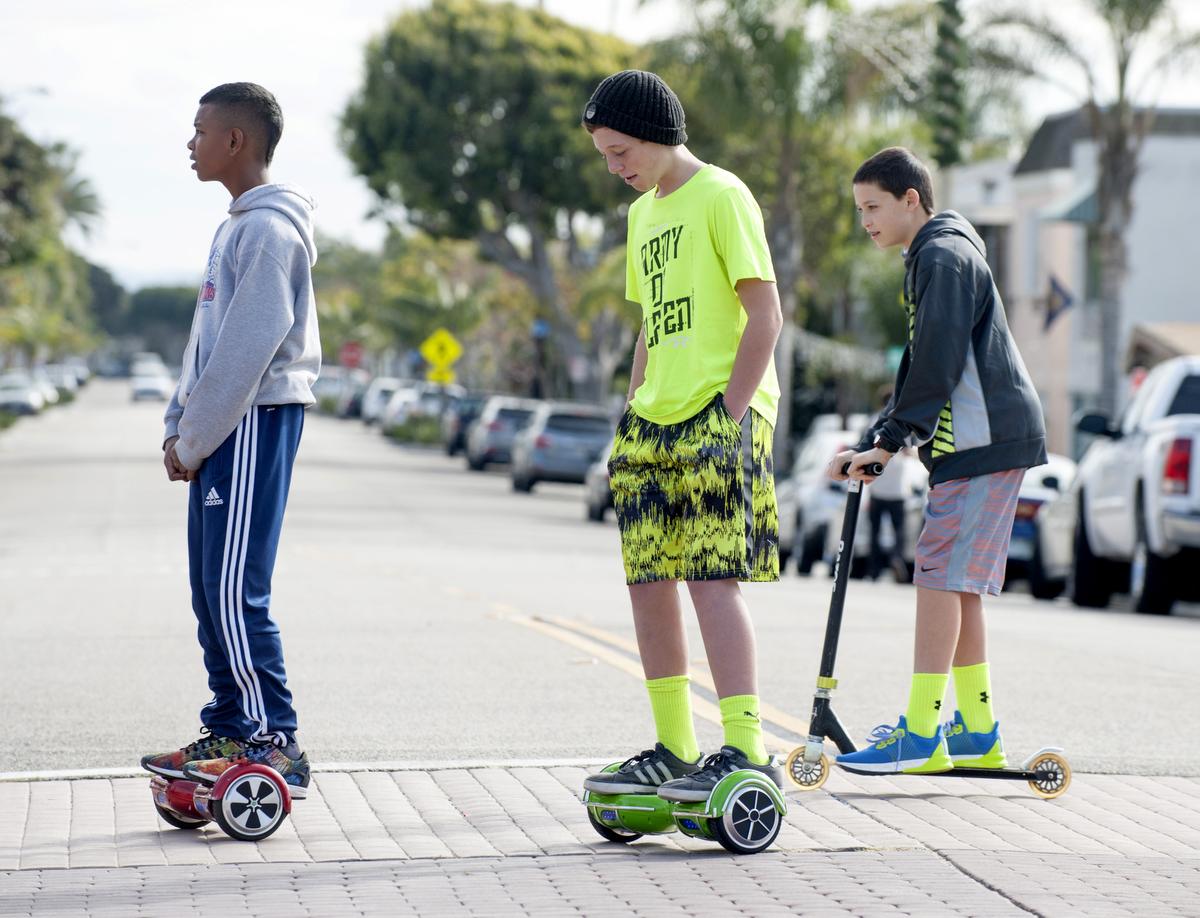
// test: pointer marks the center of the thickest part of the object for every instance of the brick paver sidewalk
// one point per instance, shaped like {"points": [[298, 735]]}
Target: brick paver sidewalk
{"points": [[501, 840]]}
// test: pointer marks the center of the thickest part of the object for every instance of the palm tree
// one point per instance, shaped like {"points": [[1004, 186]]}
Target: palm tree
{"points": [[1135, 28]]}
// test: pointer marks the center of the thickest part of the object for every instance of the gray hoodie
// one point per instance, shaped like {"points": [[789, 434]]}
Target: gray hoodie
{"points": [[962, 392], [254, 337]]}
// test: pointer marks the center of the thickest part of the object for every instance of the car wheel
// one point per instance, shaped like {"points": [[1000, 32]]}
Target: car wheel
{"points": [[1041, 586], [594, 513], [785, 556], [522, 484], [1151, 586], [1089, 582], [475, 465]]}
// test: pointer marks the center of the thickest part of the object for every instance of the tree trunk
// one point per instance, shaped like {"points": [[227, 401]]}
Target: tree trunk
{"points": [[783, 238], [1118, 141]]}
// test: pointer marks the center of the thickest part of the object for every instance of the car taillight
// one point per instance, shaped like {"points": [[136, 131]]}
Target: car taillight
{"points": [[1177, 470], [542, 442], [1027, 509]]}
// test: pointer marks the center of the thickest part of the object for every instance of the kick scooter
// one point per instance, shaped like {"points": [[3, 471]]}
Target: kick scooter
{"points": [[744, 813], [1047, 771], [248, 802]]}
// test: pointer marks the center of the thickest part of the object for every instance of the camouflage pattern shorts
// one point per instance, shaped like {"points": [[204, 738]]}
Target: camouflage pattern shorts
{"points": [[696, 500]]}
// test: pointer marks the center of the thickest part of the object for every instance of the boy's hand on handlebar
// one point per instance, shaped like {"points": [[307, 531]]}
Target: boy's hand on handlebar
{"points": [[837, 463], [860, 461]]}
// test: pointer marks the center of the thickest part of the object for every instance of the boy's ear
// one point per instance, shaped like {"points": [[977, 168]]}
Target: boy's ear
{"points": [[237, 140], [912, 197]]}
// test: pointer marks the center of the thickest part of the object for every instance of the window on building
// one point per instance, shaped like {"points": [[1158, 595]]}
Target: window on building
{"points": [[995, 237]]}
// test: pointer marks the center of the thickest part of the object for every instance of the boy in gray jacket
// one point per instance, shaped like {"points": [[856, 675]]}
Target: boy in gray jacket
{"points": [[964, 398], [232, 430]]}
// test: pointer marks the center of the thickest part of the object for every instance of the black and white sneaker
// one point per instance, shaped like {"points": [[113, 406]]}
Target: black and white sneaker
{"points": [[642, 773], [699, 784]]}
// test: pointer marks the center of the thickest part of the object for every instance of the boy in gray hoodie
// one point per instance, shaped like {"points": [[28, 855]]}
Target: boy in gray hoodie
{"points": [[232, 430], [964, 397]]}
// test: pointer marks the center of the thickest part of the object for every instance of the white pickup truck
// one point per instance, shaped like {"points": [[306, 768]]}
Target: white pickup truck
{"points": [[1136, 497]]}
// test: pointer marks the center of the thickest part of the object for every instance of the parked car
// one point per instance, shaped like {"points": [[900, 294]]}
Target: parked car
{"points": [[45, 385], [1041, 486], [597, 490], [810, 501], [399, 405], [152, 385], [63, 378], [1134, 509], [914, 482], [146, 363], [457, 421], [490, 438], [559, 443], [19, 394], [332, 384], [418, 400], [376, 396]]}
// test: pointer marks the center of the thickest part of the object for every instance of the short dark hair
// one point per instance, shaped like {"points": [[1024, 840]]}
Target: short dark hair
{"points": [[896, 170], [254, 102]]}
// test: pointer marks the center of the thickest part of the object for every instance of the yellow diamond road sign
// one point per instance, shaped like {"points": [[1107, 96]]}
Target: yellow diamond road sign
{"points": [[440, 375], [441, 349]]}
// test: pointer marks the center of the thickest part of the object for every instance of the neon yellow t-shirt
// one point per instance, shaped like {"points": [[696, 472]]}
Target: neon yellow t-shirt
{"points": [[686, 253]]}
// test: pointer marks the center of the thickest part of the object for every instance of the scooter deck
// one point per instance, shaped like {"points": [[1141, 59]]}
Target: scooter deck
{"points": [[1010, 774]]}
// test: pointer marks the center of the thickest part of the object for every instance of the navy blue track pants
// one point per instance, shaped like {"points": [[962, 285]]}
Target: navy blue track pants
{"points": [[235, 514]]}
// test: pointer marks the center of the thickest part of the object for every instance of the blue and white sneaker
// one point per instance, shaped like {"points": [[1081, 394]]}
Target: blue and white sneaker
{"points": [[900, 751], [973, 750]]}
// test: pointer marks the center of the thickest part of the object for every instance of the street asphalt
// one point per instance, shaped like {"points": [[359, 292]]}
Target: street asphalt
{"points": [[432, 614]]}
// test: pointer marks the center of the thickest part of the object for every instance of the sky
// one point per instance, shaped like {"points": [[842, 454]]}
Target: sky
{"points": [[118, 82]]}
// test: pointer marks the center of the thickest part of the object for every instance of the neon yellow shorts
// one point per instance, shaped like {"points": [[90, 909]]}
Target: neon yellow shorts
{"points": [[696, 500]]}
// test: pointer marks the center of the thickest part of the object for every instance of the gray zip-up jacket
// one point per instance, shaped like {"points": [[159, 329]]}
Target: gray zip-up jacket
{"points": [[254, 338], [962, 392]]}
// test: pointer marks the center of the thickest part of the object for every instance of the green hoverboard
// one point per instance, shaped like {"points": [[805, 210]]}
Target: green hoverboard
{"points": [[744, 813]]}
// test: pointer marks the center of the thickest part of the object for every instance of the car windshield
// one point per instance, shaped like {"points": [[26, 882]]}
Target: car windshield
{"points": [[517, 416], [577, 423], [1187, 399]]}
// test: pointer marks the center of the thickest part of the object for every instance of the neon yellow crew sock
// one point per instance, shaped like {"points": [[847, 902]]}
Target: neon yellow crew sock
{"points": [[671, 702], [743, 726], [973, 689], [925, 702]]}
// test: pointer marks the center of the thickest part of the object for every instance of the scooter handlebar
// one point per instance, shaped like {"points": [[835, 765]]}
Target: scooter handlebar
{"points": [[875, 469]]}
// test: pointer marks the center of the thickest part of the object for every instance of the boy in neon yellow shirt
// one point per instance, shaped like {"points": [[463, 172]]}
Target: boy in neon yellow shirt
{"points": [[691, 467]]}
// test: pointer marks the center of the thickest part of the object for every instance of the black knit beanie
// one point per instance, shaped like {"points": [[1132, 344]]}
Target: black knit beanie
{"points": [[639, 104]]}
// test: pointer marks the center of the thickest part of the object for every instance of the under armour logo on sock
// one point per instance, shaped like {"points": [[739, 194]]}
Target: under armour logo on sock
{"points": [[983, 696], [937, 705]]}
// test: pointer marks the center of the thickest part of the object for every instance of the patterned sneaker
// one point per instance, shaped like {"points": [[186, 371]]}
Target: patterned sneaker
{"points": [[209, 746], [642, 773], [973, 750], [901, 751], [697, 786], [295, 771]]}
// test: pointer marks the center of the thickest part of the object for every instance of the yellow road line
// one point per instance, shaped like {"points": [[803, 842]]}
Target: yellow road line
{"points": [[700, 706], [768, 712]]}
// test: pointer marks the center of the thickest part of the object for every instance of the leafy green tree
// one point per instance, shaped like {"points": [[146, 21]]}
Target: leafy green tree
{"points": [[162, 318], [467, 127], [109, 300], [1021, 41], [44, 290], [783, 105], [949, 114]]}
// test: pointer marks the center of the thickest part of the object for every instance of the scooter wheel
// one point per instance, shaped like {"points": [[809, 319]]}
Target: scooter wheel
{"points": [[608, 833], [249, 803], [806, 775], [750, 822], [171, 818], [1053, 775]]}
